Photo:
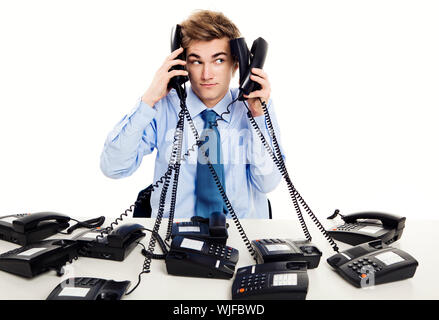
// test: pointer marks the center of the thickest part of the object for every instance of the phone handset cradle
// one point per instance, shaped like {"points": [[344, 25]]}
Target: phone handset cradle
{"points": [[27, 228], [364, 227]]}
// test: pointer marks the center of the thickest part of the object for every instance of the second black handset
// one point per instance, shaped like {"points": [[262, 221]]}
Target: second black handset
{"points": [[115, 246], [213, 228], [27, 228], [364, 227], [248, 59]]}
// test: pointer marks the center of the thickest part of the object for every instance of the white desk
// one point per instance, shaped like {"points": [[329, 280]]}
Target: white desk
{"points": [[419, 239]]}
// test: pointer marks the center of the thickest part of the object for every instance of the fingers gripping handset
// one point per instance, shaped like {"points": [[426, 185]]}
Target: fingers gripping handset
{"points": [[248, 59], [171, 74]]}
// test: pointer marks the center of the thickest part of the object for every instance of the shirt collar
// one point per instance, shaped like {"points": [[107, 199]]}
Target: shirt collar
{"points": [[196, 106]]}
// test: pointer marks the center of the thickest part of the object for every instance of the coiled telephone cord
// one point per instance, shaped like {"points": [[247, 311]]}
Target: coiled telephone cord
{"points": [[174, 164], [221, 189], [162, 202], [281, 169], [294, 194], [178, 141]]}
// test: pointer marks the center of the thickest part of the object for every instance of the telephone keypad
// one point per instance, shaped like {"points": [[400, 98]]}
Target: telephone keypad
{"points": [[253, 282], [11, 252], [357, 265], [347, 227], [220, 250], [86, 282]]}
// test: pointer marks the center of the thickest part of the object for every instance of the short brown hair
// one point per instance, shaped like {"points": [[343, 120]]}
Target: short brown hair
{"points": [[205, 25]]}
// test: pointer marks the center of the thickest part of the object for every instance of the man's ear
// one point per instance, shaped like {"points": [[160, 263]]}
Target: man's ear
{"points": [[235, 67]]}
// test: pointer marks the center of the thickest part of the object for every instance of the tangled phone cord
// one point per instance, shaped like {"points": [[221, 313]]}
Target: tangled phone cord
{"points": [[178, 143], [175, 158], [211, 169], [149, 253], [221, 116], [286, 177], [153, 256], [220, 188], [282, 168], [174, 164]]}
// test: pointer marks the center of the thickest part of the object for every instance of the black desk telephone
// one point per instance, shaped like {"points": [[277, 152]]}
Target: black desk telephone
{"points": [[89, 289], [201, 258], [39, 257], [213, 229], [368, 226], [373, 263], [272, 250], [281, 272], [117, 245], [282, 280], [27, 228]]}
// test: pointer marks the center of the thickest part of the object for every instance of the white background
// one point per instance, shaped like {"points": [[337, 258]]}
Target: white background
{"points": [[355, 86]]}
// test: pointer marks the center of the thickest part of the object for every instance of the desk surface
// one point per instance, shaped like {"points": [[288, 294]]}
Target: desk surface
{"points": [[419, 240]]}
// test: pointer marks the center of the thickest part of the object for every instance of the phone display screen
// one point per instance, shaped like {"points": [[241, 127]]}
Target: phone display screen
{"points": [[74, 292], [192, 244]]}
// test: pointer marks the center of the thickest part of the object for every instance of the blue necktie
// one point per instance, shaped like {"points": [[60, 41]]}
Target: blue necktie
{"points": [[208, 198]]}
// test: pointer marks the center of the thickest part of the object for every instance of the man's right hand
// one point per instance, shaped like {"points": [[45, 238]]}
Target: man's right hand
{"points": [[159, 86]]}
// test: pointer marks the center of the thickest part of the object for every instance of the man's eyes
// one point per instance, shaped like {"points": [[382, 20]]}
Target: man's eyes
{"points": [[218, 61]]}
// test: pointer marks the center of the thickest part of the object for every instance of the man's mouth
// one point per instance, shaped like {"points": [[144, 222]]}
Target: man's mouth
{"points": [[208, 85]]}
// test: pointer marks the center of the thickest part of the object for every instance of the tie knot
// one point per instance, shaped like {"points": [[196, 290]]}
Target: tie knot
{"points": [[209, 116]]}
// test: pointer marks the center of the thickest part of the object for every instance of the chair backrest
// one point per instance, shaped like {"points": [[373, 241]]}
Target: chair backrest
{"points": [[142, 208]]}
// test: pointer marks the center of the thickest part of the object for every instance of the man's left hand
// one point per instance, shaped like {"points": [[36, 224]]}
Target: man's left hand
{"points": [[259, 76]]}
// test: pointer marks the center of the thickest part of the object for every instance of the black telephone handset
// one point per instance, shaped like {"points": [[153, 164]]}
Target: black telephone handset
{"points": [[368, 226], [83, 288], [24, 229], [248, 59], [201, 258], [282, 280], [39, 257], [213, 228], [177, 81], [373, 263], [117, 245]]}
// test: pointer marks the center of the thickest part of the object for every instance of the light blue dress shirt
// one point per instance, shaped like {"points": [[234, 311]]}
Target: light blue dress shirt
{"points": [[249, 171]]}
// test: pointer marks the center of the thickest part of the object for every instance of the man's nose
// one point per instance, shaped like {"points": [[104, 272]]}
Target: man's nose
{"points": [[207, 74]]}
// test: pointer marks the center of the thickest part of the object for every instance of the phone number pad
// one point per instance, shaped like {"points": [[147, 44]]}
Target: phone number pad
{"points": [[360, 265], [253, 282], [220, 251], [347, 227]]}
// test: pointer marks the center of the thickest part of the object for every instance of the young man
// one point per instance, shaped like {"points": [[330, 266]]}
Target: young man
{"points": [[246, 169]]}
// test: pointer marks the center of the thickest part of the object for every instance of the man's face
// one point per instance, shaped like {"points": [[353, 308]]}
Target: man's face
{"points": [[210, 68]]}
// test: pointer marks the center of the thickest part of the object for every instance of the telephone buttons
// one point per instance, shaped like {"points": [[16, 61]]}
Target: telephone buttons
{"points": [[361, 264], [220, 251], [346, 227], [253, 282]]}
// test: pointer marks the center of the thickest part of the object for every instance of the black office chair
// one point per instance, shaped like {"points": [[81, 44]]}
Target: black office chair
{"points": [[144, 209]]}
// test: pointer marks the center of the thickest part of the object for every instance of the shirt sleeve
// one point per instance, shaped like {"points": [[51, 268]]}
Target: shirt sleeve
{"points": [[133, 137], [263, 172]]}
